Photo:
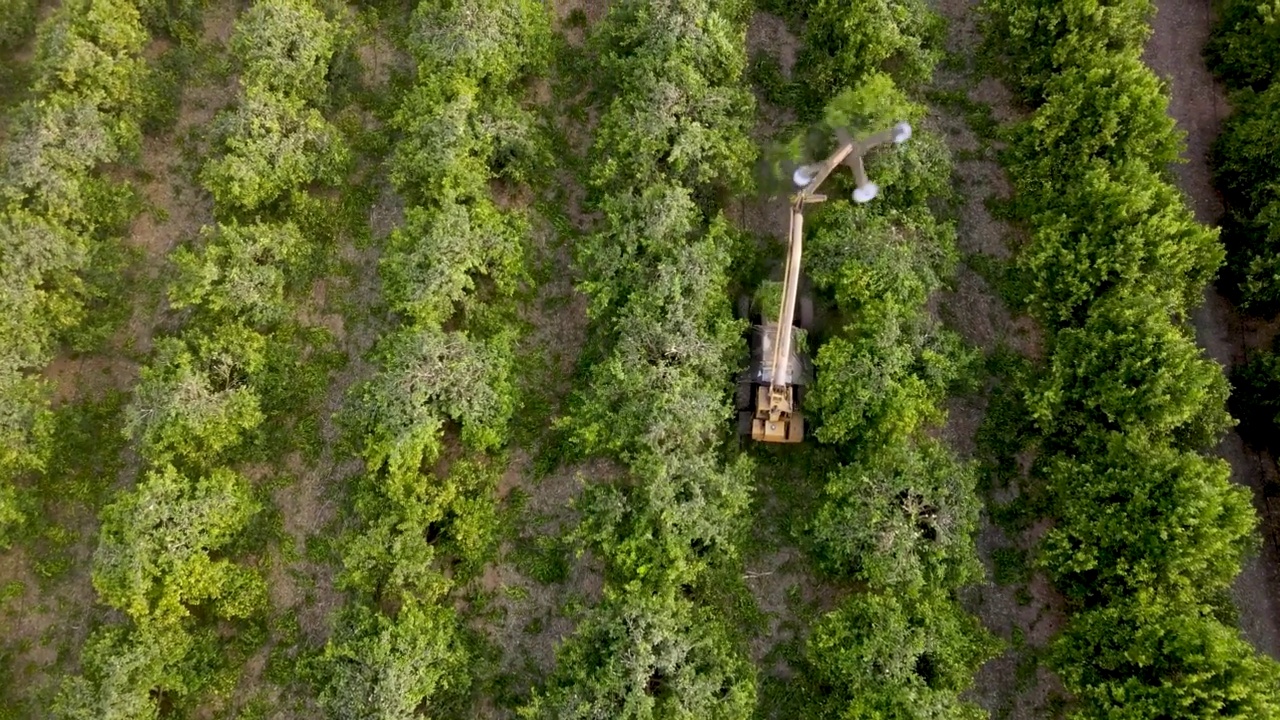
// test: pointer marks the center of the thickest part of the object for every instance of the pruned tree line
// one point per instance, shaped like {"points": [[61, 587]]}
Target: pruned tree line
{"points": [[433, 423], [897, 510], [662, 350], [1148, 530], [60, 214], [1244, 52], [170, 555]]}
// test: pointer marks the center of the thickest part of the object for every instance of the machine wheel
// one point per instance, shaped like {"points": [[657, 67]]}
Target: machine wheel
{"points": [[806, 312], [744, 307], [742, 398], [744, 424], [800, 393]]}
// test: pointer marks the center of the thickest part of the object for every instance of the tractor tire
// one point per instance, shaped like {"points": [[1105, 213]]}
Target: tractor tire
{"points": [[806, 313], [744, 424], [742, 397]]}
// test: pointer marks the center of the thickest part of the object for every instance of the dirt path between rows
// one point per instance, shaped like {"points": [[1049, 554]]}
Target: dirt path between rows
{"points": [[1199, 105]]}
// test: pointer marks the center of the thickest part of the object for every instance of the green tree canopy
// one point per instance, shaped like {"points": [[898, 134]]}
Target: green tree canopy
{"points": [[441, 256], [239, 270], [194, 402], [1245, 47], [900, 516], [158, 544], [1039, 38], [647, 658], [1130, 367], [1141, 518], [1115, 226], [1154, 660], [431, 376], [492, 43], [844, 44], [382, 668], [284, 47], [271, 145], [897, 656]]}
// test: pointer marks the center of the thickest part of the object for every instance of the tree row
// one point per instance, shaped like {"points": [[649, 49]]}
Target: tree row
{"points": [[898, 510], [1148, 531], [60, 215], [663, 348], [1245, 53], [433, 422], [171, 550]]}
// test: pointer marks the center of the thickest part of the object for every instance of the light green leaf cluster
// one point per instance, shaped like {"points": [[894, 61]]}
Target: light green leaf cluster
{"points": [[238, 271], [897, 656], [844, 44], [272, 144], [651, 657], [285, 47]]}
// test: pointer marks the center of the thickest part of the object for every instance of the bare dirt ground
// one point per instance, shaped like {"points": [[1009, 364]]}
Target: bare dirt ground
{"points": [[1199, 105], [1025, 611]]}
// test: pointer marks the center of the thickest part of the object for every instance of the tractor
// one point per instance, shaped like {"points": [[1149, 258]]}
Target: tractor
{"points": [[770, 392]]}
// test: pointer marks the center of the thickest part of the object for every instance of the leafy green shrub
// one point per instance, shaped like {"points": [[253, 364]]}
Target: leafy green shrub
{"points": [[898, 512], [1040, 38], [1257, 397], [194, 402], [91, 50], [432, 375], [1112, 227], [903, 517], [381, 667], [678, 112], [1244, 49], [426, 518], [239, 271], [491, 43], [1109, 108], [286, 47], [884, 375], [41, 290], [157, 548], [441, 256], [647, 657], [54, 204], [673, 131], [124, 673], [1139, 518], [1148, 532], [272, 145], [1130, 367], [1246, 160], [843, 43], [17, 18], [895, 656], [1151, 659]]}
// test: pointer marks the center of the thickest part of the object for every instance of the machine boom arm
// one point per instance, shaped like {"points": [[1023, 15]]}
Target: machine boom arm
{"points": [[850, 153]]}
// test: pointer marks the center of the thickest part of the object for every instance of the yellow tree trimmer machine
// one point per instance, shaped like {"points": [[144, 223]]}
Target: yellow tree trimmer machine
{"points": [[769, 393]]}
